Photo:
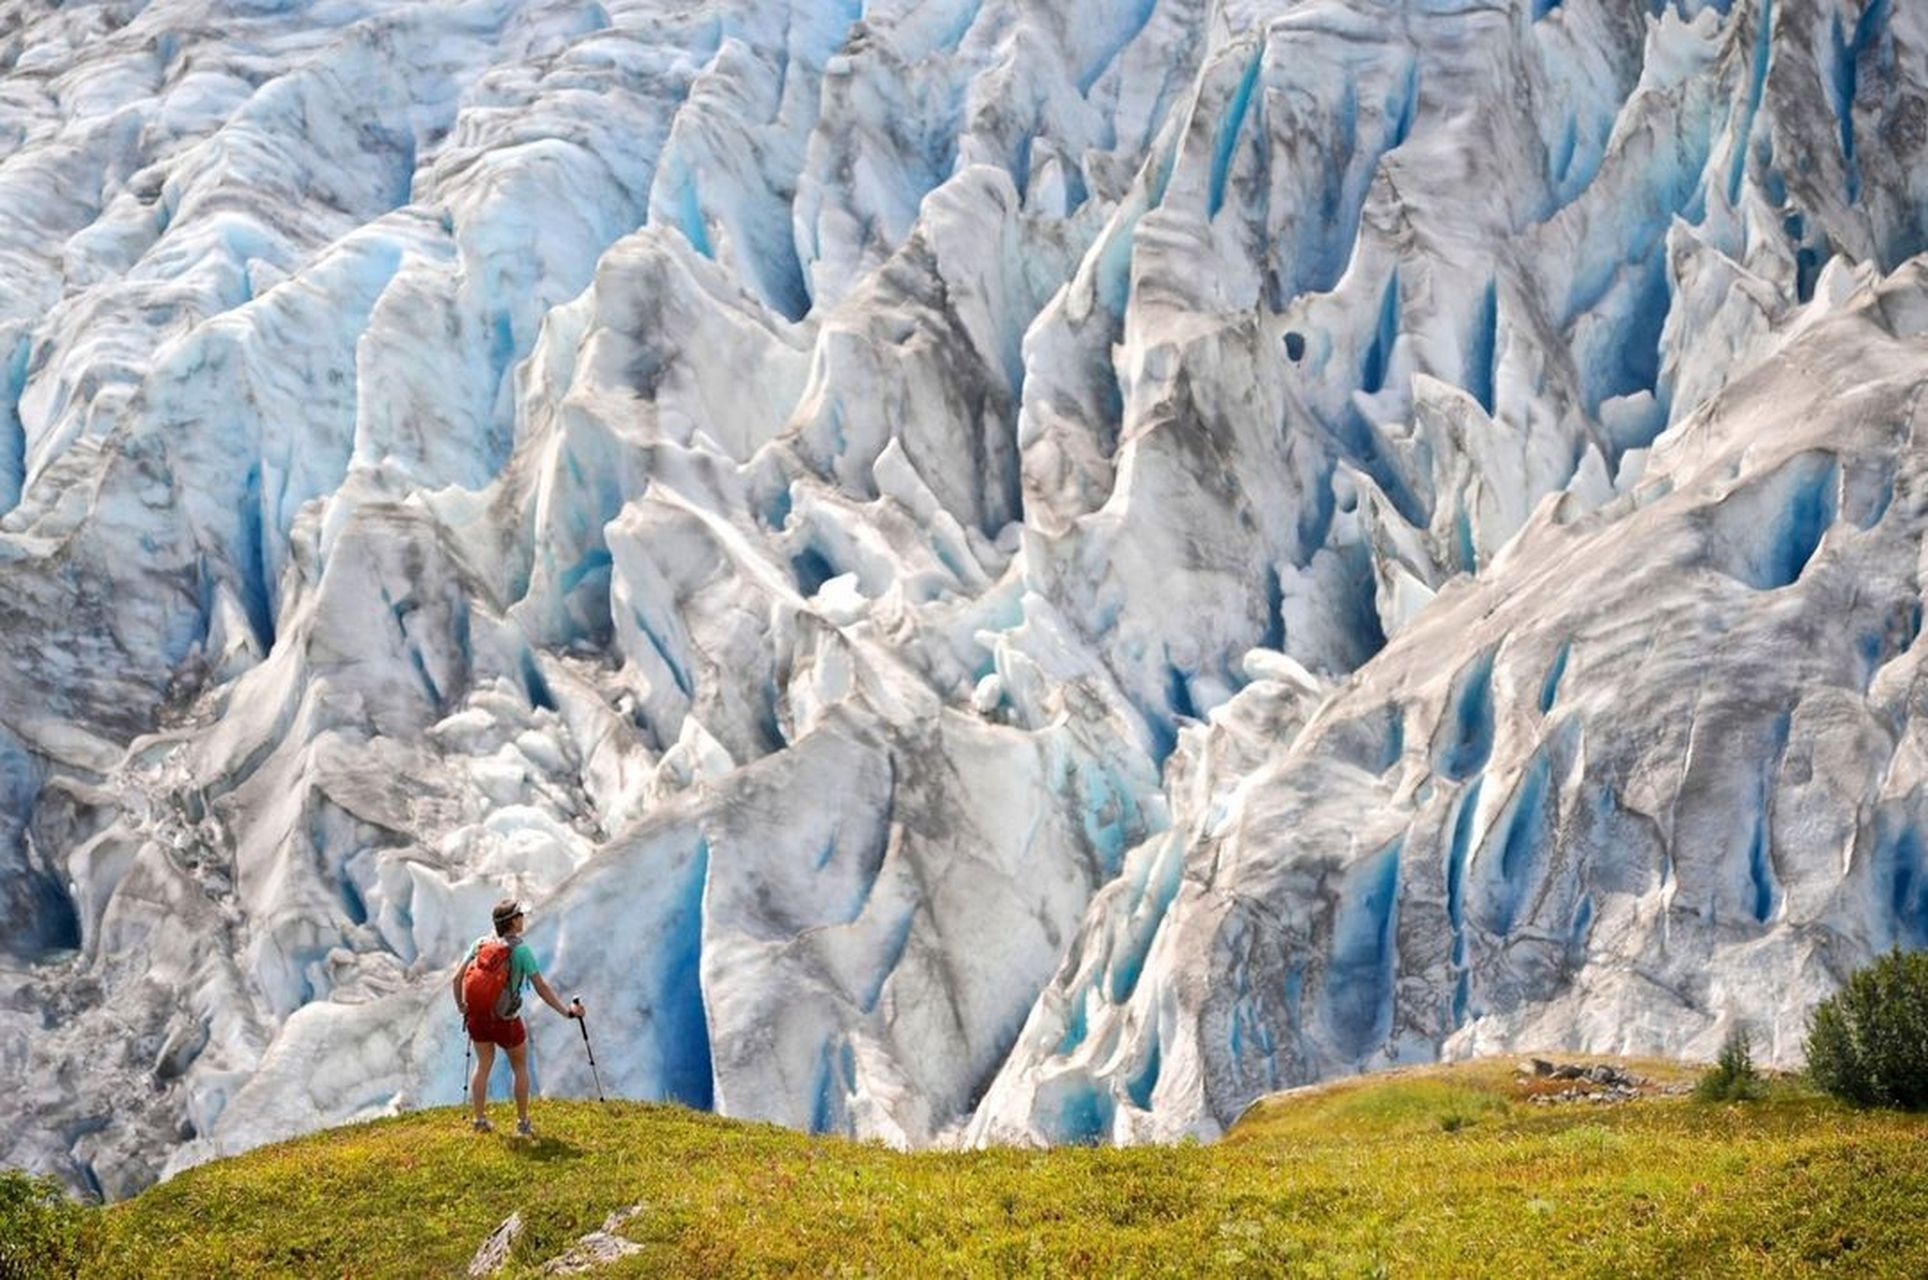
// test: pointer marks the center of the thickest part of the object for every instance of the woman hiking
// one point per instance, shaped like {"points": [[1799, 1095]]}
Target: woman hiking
{"points": [[488, 991]]}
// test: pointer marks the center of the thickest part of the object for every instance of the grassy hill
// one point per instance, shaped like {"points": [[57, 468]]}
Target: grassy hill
{"points": [[1434, 1171]]}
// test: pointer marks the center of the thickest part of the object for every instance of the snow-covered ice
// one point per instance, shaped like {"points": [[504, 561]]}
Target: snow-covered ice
{"points": [[992, 569]]}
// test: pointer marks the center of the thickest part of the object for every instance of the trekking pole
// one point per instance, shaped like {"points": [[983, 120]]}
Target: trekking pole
{"points": [[467, 1049], [582, 1025]]}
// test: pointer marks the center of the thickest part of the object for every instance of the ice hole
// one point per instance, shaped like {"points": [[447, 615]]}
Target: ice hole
{"points": [[1359, 977], [1768, 531], [1471, 722]]}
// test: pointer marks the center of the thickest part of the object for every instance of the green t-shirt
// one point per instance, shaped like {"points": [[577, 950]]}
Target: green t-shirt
{"points": [[522, 967]]}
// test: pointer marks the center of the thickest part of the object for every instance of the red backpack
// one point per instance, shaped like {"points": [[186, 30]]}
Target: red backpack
{"points": [[485, 988]]}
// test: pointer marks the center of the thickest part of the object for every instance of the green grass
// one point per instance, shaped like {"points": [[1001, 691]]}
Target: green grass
{"points": [[40, 1228], [1437, 1171]]}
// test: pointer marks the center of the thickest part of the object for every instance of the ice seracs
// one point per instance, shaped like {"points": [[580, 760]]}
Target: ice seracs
{"points": [[992, 569]]}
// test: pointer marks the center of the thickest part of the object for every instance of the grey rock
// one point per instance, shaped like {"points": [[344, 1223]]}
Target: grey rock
{"points": [[494, 1253], [597, 1248]]}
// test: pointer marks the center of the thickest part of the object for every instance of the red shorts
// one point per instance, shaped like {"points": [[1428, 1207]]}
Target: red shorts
{"points": [[506, 1033]]}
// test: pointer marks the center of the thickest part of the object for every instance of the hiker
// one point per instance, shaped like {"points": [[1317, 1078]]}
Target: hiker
{"points": [[488, 991]]}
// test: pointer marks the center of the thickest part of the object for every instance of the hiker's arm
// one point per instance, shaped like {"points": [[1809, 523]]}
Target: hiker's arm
{"points": [[549, 997], [461, 972]]}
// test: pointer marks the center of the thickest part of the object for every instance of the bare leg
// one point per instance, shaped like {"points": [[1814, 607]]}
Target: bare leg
{"points": [[479, 1086], [519, 1063]]}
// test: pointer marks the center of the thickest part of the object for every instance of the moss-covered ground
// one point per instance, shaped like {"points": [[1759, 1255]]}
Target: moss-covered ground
{"points": [[1445, 1171]]}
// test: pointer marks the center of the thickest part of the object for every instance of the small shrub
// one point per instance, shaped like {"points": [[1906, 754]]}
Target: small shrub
{"points": [[39, 1228], [1733, 1078], [1868, 1043]]}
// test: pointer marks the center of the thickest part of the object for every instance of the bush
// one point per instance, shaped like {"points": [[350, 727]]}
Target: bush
{"points": [[1868, 1043], [1733, 1078], [39, 1228]]}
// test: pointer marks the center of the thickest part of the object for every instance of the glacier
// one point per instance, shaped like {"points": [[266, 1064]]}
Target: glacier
{"points": [[993, 570]]}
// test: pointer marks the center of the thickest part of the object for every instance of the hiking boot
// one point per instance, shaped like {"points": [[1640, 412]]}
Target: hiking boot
{"points": [[523, 1129], [482, 1126]]}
